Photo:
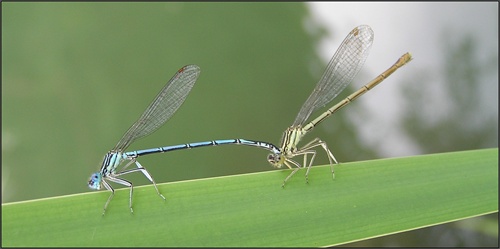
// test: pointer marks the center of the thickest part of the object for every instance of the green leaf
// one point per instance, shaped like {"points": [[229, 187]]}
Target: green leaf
{"points": [[366, 199]]}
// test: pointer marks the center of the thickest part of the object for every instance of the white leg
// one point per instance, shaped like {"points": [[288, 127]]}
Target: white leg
{"points": [[146, 173], [108, 187], [293, 172], [122, 182], [287, 162], [314, 143]]}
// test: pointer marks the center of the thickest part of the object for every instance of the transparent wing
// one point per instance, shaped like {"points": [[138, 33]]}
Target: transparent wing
{"points": [[342, 68], [166, 103]]}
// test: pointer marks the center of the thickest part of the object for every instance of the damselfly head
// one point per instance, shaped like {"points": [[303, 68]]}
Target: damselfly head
{"points": [[95, 181], [276, 160]]}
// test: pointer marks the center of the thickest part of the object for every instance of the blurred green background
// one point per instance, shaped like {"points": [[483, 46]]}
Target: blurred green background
{"points": [[77, 75]]}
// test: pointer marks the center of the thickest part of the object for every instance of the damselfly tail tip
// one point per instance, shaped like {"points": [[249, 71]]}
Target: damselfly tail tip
{"points": [[408, 56]]}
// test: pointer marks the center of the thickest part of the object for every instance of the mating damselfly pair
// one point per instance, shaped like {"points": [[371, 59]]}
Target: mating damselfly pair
{"points": [[342, 68]]}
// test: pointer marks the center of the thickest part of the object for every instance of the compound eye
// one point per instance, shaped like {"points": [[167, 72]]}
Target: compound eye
{"points": [[95, 181], [271, 158], [275, 160]]}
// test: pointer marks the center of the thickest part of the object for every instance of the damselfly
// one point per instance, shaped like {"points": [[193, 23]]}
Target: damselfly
{"points": [[344, 65], [166, 103]]}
